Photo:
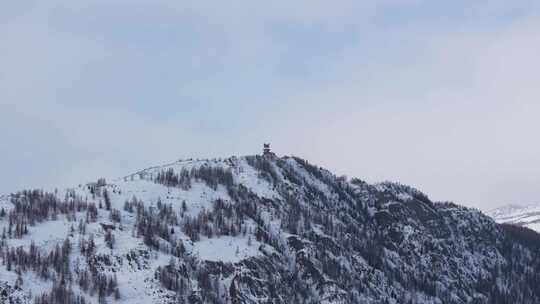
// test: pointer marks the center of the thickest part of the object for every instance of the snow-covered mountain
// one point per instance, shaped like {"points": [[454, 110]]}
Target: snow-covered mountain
{"points": [[526, 216], [256, 229]]}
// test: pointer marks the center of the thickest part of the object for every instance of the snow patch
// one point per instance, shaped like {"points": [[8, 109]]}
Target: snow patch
{"points": [[226, 248]]}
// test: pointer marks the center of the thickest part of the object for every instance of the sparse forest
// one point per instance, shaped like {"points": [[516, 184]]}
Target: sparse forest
{"points": [[297, 233]]}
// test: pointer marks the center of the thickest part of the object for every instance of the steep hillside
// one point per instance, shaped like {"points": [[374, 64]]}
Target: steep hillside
{"points": [[256, 230], [526, 216]]}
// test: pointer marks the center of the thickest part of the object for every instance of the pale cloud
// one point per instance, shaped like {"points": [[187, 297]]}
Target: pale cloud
{"points": [[461, 124]]}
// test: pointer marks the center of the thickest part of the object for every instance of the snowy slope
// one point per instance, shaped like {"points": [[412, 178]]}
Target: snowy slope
{"points": [[527, 216], [138, 285], [255, 230]]}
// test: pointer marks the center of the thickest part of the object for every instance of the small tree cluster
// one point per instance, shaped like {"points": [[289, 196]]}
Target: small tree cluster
{"points": [[109, 239], [115, 216], [35, 260], [211, 176], [33, 206], [60, 293], [264, 167], [171, 179], [154, 224]]}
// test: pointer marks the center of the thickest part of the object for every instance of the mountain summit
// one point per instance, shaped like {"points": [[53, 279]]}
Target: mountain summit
{"points": [[256, 229]]}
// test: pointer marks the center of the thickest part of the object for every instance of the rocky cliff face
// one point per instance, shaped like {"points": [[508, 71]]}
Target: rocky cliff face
{"points": [[257, 230]]}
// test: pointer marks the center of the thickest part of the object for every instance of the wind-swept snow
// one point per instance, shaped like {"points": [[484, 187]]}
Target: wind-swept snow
{"points": [[528, 216], [226, 248]]}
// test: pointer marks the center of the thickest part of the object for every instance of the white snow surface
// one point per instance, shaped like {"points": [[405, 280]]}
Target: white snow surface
{"points": [[226, 248], [528, 216], [139, 285]]}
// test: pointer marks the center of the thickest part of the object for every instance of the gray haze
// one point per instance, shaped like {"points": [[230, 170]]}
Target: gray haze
{"points": [[443, 96]]}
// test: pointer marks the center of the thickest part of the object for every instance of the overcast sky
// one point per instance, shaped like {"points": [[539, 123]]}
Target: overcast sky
{"points": [[441, 95]]}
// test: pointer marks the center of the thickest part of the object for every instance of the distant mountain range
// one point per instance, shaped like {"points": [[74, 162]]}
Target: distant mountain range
{"points": [[526, 216]]}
